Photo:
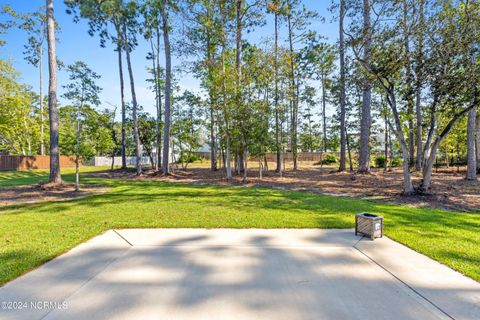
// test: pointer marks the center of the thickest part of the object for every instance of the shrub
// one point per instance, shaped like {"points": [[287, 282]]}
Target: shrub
{"points": [[380, 161], [397, 161], [327, 159], [188, 157]]}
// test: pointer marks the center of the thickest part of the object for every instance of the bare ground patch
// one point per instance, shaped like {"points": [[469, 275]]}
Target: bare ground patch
{"points": [[42, 193], [449, 188]]}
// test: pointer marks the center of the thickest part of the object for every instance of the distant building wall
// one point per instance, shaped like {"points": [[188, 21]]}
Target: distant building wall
{"points": [[107, 161]]}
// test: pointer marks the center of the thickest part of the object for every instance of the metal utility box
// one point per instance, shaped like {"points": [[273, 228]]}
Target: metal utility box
{"points": [[369, 225]]}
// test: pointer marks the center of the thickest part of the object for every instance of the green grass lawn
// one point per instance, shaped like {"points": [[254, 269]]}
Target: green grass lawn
{"points": [[33, 234], [17, 178]]}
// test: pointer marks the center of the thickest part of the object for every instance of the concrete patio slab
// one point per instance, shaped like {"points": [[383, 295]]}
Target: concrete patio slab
{"points": [[457, 295], [241, 274], [59, 278], [240, 237]]}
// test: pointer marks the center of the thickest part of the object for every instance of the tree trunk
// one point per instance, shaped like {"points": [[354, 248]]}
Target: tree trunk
{"points": [[52, 96], [294, 90], [478, 142], [29, 144], [238, 66], [310, 133], [245, 168], [134, 103], [429, 162], [159, 105], [431, 133], [458, 157], [347, 140], [238, 39], [418, 86], [152, 161], [213, 145], [471, 154], [343, 110], [472, 114], [427, 171], [238, 49], [447, 157], [77, 153], [155, 164], [407, 179], [227, 160], [386, 142], [222, 155], [239, 30], [409, 87], [241, 160], [235, 164], [260, 169], [42, 117], [418, 112], [324, 113], [168, 85], [225, 115], [114, 137], [278, 148], [390, 147], [211, 96], [366, 120], [174, 160], [122, 96]]}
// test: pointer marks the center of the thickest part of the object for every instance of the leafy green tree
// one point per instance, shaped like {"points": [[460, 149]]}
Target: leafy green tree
{"points": [[187, 124], [205, 36], [454, 146], [147, 134], [320, 58], [35, 24], [19, 119], [310, 136], [130, 29], [5, 25], [297, 19], [100, 15], [226, 81], [275, 7], [81, 91], [95, 135], [152, 33], [450, 95]]}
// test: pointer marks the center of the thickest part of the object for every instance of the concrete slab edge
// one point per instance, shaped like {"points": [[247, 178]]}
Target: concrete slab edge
{"points": [[404, 283]]}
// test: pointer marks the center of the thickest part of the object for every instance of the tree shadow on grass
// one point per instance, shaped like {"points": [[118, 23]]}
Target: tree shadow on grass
{"points": [[158, 204], [248, 200]]}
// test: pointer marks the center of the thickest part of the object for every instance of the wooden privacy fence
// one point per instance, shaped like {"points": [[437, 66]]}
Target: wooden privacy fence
{"points": [[32, 162]]}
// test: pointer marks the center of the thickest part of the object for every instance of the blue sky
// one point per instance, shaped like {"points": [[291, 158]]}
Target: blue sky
{"points": [[75, 44]]}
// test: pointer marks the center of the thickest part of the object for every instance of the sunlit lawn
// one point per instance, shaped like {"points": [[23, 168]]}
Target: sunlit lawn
{"points": [[33, 234]]}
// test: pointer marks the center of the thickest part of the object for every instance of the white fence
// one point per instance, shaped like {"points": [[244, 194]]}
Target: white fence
{"points": [[107, 161]]}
